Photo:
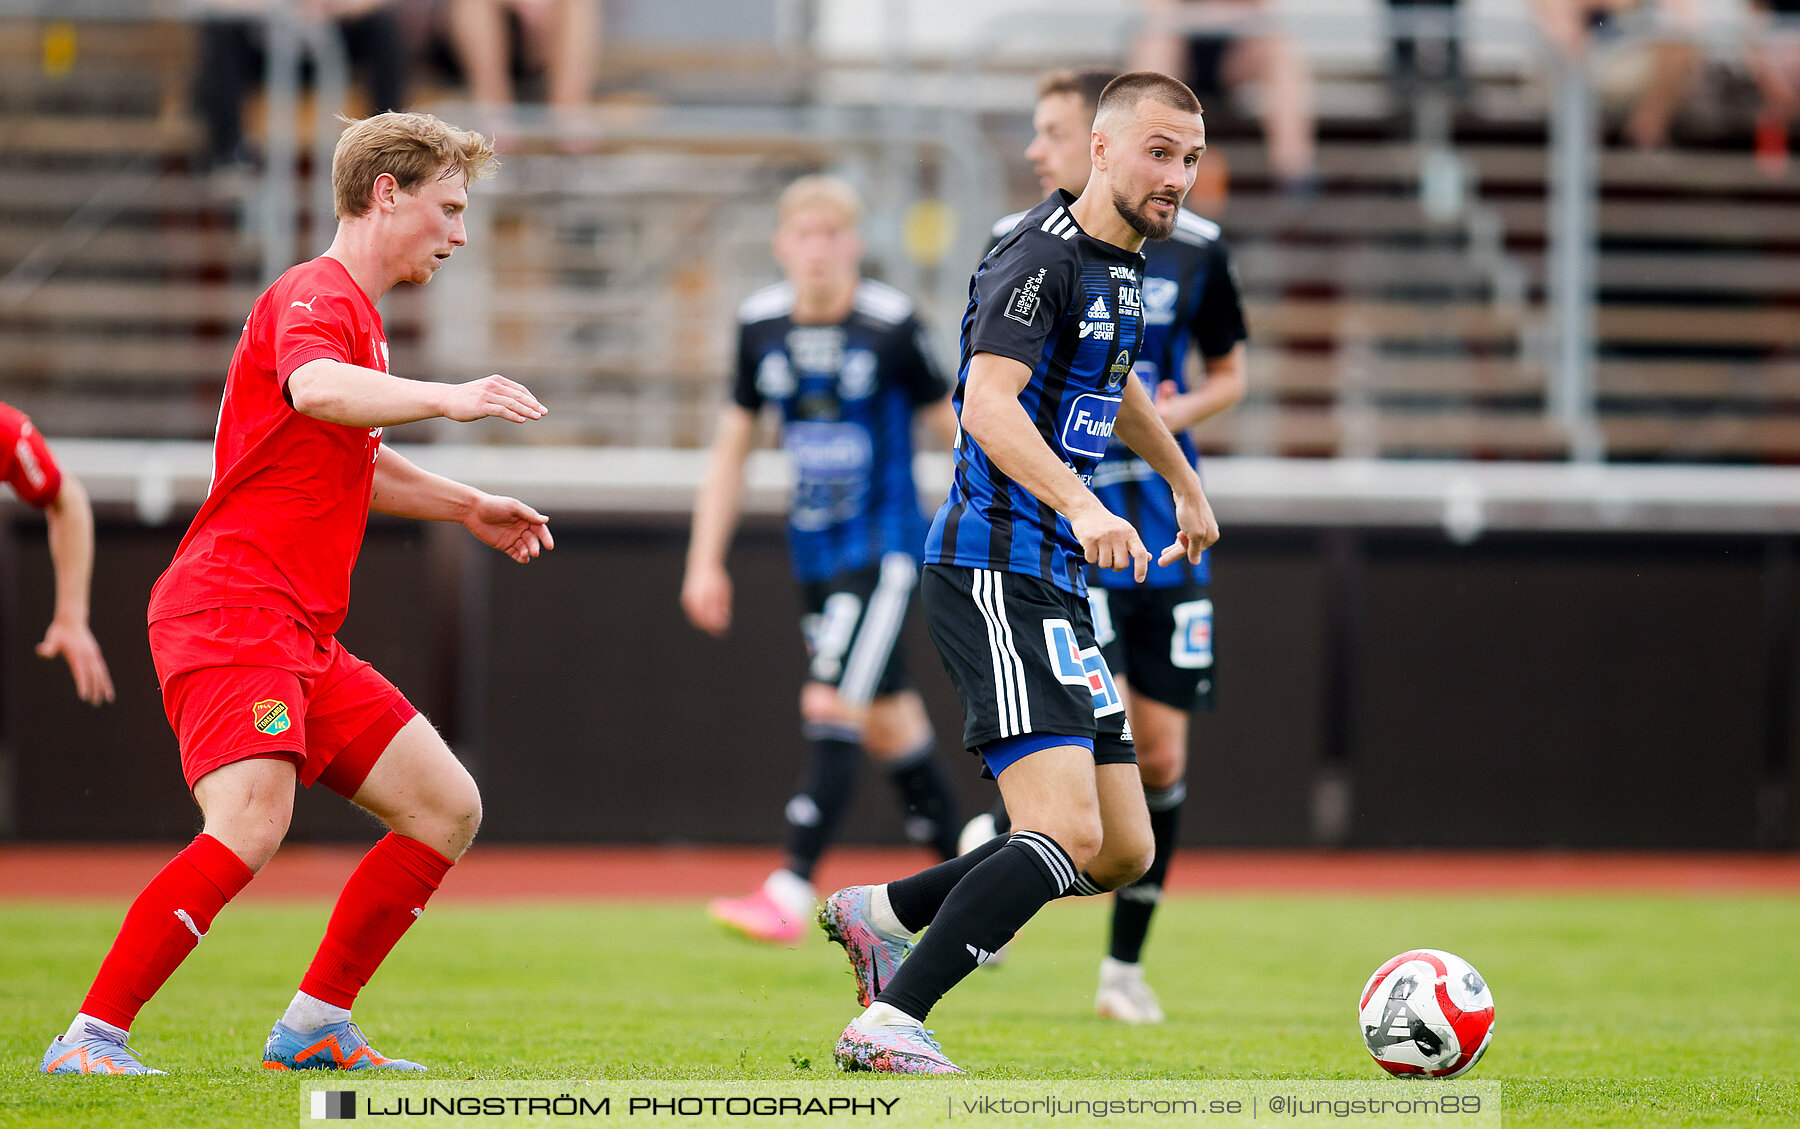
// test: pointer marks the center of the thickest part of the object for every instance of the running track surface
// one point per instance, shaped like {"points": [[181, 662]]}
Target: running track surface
{"points": [[551, 873]]}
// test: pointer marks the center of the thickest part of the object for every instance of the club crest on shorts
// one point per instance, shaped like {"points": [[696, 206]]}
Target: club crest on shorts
{"points": [[270, 716]]}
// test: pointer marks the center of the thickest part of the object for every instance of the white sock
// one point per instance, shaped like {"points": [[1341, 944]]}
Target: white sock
{"points": [[309, 1013], [881, 914], [791, 892], [886, 1015], [1111, 969], [85, 1023]]}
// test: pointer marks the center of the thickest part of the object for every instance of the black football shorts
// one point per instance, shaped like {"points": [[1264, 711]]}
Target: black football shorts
{"points": [[1159, 640], [1021, 654]]}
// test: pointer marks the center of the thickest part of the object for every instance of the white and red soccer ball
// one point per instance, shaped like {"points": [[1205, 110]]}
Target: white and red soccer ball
{"points": [[1427, 1014]]}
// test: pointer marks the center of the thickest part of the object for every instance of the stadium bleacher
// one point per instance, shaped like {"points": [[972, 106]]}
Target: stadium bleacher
{"points": [[1380, 329]]}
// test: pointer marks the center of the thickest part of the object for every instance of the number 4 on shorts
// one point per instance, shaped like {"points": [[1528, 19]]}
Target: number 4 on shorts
{"points": [[1076, 667]]}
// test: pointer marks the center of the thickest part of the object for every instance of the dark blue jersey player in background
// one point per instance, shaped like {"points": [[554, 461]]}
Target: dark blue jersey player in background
{"points": [[1054, 324], [847, 365], [1157, 636]]}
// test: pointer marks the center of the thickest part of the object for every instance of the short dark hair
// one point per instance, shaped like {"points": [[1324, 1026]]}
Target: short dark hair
{"points": [[1086, 83], [1126, 91]]}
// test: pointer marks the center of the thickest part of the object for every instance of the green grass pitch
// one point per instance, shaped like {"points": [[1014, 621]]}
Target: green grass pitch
{"points": [[1612, 1010]]}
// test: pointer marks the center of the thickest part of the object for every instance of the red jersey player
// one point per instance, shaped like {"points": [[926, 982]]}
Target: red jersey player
{"points": [[243, 623], [27, 465]]}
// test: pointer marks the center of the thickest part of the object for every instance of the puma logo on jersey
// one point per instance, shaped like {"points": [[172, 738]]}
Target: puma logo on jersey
{"points": [[27, 458], [306, 305]]}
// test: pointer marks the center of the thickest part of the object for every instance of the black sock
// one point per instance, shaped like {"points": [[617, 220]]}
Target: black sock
{"points": [[813, 814], [916, 900], [925, 798], [1084, 887], [981, 914], [1135, 903]]}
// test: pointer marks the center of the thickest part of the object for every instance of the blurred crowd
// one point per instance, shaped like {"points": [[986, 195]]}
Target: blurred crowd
{"points": [[1647, 58], [544, 51]]}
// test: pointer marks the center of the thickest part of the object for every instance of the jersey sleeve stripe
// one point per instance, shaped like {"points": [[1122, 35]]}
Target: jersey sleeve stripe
{"points": [[1190, 228], [1004, 225], [882, 302], [769, 302]]}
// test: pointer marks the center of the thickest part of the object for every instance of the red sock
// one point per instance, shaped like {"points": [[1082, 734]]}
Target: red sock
{"points": [[379, 904], [162, 927]]}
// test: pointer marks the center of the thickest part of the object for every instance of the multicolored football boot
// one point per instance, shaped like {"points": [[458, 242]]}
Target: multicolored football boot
{"points": [[335, 1046], [96, 1052], [759, 917], [874, 954], [902, 1048]]}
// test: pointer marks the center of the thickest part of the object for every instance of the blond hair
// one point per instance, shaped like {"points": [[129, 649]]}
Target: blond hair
{"points": [[411, 148], [820, 191]]}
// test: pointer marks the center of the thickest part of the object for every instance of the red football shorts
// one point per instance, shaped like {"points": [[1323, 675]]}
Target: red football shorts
{"points": [[240, 683]]}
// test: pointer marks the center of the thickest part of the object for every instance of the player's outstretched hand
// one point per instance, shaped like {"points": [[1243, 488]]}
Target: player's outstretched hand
{"points": [[1109, 541], [1199, 529], [510, 526], [706, 598], [492, 396], [79, 648]]}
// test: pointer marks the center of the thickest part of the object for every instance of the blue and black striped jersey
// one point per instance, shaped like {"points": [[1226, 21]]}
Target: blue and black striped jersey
{"points": [[1190, 298], [1070, 307], [847, 394]]}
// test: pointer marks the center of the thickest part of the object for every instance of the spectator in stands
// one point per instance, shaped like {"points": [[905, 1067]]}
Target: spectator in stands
{"points": [[1420, 58], [1774, 57], [234, 56], [1635, 54], [559, 37], [28, 467], [1216, 55]]}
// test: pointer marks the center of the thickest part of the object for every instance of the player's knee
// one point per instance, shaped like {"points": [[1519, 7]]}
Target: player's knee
{"points": [[459, 816], [1133, 866], [818, 702], [1162, 765], [444, 814], [897, 726], [1082, 838], [254, 828], [1122, 862], [256, 844], [821, 705]]}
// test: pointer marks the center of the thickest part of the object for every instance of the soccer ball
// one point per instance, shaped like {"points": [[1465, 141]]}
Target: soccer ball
{"points": [[1427, 1014]]}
